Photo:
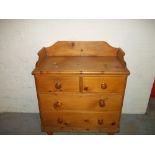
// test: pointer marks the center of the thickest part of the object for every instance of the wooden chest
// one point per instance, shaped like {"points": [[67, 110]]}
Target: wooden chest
{"points": [[80, 86]]}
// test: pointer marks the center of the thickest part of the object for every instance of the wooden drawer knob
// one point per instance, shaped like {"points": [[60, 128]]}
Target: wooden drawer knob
{"points": [[58, 104], [103, 85], [85, 88], [101, 103], [100, 121], [60, 120], [58, 85], [113, 123]]}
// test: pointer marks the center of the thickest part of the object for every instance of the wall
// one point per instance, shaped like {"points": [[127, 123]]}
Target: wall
{"points": [[20, 41]]}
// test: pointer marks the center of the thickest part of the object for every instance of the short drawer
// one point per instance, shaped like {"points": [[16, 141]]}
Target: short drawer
{"points": [[113, 84], [80, 102], [87, 121], [48, 83]]}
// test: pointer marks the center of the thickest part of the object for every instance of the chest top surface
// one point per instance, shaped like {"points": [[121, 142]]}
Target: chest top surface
{"points": [[81, 57]]}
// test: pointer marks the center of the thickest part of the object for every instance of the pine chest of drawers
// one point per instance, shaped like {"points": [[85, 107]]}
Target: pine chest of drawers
{"points": [[80, 86]]}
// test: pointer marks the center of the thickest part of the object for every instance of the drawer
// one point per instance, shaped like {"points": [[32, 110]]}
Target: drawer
{"points": [[48, 83], [113, 84], [80, 102], [87, 121]]}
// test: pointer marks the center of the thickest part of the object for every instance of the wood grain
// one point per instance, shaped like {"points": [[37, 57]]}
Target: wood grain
{"points": [[80, 86], [81, 48], [85, 65], [47, 83], [83, 120], [80, 102], [113, 84]]}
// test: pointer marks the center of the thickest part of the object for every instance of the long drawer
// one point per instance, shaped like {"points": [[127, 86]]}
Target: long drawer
{"points": [[80, 102], [74, 120]]}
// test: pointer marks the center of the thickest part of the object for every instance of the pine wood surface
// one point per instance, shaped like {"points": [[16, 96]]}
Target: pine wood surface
{"points": [[79, 64], [80, 86], [83, 120], [47, 83], [88, 102]]}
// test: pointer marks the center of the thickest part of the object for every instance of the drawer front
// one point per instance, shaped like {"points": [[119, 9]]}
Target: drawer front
{"points": [[87, 121], [47, 83], [104, 84], [80, 102]]}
